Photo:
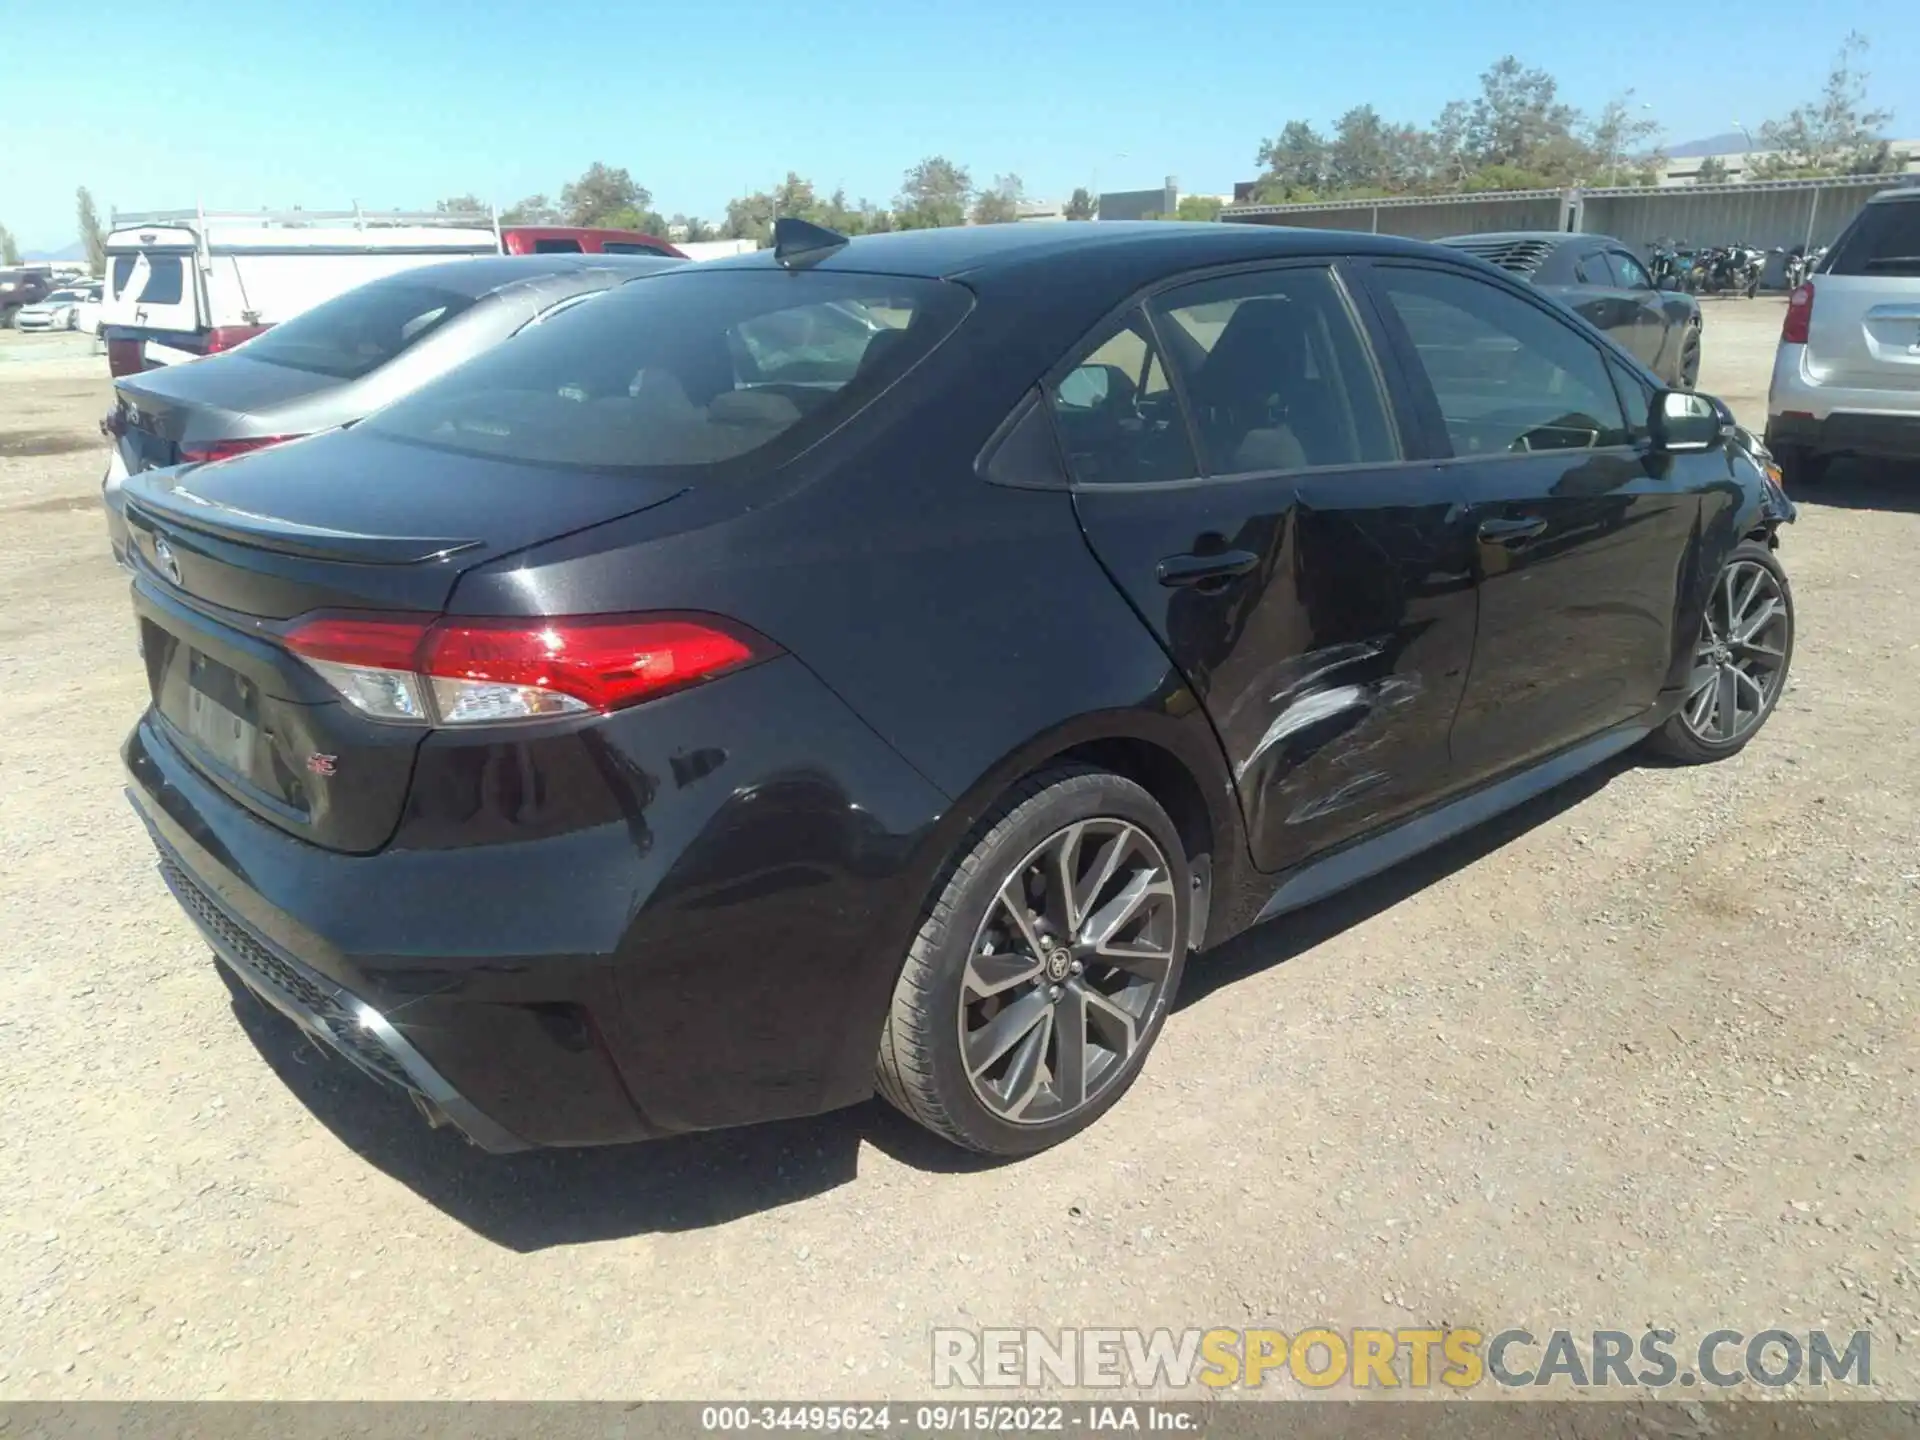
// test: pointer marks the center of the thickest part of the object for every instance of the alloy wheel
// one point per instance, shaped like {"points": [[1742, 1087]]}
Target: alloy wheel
{"points": [[1742, 655], [1067, 971]]}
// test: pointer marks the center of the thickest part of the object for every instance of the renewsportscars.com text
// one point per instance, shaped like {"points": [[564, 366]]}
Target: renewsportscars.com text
{"points": [[1320, 1357]]}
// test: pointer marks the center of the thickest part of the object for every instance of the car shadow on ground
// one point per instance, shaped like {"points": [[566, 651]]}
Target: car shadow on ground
{"points": [[537, 1200], [1865, 485]]}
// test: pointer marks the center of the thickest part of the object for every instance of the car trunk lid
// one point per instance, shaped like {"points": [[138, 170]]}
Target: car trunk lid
{"points": [[159, 411], [226, 555]]}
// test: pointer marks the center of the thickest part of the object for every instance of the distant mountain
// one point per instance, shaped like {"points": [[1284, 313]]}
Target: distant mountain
{"points": [[1732, 143], [75, 251]]}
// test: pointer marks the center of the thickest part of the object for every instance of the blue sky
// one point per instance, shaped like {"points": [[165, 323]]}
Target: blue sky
{"points": [[270, 104]]}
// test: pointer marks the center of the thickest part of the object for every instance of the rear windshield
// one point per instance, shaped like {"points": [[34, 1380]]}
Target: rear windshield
{"points": [[690, 369], [354, 334], [1883, 240], [165, 280]]}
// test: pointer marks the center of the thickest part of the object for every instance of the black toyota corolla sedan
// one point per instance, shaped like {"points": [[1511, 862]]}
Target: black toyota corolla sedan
{"points": [[1604, 282], [880, 665]]}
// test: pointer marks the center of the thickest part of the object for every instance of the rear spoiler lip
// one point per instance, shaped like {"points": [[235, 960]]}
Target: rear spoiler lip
{"points": [[182, 508]]}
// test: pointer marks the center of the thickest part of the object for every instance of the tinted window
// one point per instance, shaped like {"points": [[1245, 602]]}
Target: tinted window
{"points": [[166, 281], [354, 334], [556, 247], [1629, 272], [631, 247], [1276, 373], [1882, 240], [1119, 421], [122, 272], [1508, 376], [691, 369], [1593, 270]]}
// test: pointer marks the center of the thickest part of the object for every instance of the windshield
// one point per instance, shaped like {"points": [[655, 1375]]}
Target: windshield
{"points": [[354, 334], [690, 369]]}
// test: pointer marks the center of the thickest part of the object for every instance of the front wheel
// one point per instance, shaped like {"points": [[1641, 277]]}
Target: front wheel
{"points": [[1043, 970], [1690, 362], [1740, 661]]}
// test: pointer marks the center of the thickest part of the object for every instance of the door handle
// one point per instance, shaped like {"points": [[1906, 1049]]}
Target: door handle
{"points": [[1200, 569], [1512, 532]]}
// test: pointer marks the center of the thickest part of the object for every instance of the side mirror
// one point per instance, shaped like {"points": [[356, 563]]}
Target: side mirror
{"points": [[1682, 420]]}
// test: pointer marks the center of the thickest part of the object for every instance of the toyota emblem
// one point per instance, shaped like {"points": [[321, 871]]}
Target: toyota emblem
{"points": [[163, 560]]}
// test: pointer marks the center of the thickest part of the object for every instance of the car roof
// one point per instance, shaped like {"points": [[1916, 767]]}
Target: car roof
{"points": [[1908, 191], [985, 250], [488, 274]]}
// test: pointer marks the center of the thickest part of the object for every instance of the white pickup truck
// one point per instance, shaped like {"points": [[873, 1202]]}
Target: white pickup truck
{"points": [[185, 283]]}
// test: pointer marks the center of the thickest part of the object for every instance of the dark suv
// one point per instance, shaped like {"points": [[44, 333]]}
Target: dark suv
{"points": [[880, 664], [20, 287]]}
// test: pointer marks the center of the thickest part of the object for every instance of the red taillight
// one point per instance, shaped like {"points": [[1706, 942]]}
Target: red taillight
{"points": [[471, 671], [125, 357], [226, 337], [1793, 330], [202, 451]]}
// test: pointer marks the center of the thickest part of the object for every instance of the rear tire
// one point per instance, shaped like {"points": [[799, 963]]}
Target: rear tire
{"points": [[1012, 1029], [1741, 661]]}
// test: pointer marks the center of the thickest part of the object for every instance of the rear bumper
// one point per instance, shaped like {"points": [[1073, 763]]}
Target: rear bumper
{"points": [[681, 917], [357, 1031], [1881, 436], [1806, 413]]}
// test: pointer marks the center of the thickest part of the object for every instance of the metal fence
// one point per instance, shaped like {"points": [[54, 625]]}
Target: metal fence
{"points": [[1767, 213]]}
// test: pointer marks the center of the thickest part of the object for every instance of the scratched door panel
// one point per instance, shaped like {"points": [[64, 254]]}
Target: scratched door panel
{"points": [[1313, 585]]}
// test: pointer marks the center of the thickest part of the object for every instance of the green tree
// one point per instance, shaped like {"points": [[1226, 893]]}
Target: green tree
{"points": [[534, 210], [604, 195], [1199, 207], [1295, 163], [1712, 171], [1620, 145], [92, 234], [9, 247], [1832, 134], [691, 228], [1081, 205], [932, 194], [999, 203], [749, 217], [462, 205], [1518, 120]]}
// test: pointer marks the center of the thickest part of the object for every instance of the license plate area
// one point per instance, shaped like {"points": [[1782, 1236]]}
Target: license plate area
{"points": [[223, 714]]}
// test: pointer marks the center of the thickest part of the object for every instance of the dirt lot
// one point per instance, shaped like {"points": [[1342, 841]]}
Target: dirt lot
{"points": [[1644, 1053]]}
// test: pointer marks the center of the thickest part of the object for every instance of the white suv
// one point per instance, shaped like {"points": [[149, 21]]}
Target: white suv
{"points": [[1846, 378]]}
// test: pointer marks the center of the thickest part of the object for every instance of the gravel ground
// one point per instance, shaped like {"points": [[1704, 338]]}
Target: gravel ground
{"points": [[1643, 1053]]}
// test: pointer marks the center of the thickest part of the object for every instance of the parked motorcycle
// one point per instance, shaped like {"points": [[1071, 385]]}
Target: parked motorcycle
{"points": [[1801, 263]]}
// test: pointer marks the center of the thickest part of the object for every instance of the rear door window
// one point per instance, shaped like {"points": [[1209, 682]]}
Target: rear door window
{"points": [[563, 246], [694, 370], [1882, 240], [1276, 373], [1118, 418], [354, 334]]}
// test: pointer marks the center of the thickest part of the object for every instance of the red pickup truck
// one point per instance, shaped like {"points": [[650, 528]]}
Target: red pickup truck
{"points": [[575, 239]]}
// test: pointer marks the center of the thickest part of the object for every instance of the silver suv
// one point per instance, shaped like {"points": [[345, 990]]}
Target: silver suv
{"points": [[1846, 378]]}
